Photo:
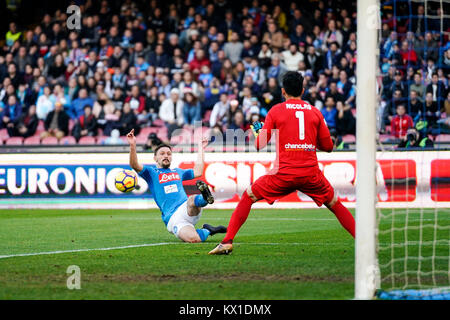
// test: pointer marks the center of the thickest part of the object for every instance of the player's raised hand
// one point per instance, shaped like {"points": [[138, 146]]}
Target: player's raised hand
{"points": [[131, 138], [256, 127]]}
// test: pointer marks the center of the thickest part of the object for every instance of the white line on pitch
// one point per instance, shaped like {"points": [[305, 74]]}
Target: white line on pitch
{"points": [[85, 250]]}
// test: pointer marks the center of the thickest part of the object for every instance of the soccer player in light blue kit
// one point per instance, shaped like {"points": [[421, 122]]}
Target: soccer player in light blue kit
{"points": [[179, 213]]}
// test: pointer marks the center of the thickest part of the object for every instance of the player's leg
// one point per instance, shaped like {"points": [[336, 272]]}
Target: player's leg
{"points": [[268, 187], [320, 190], [195, 204], [342, 214]]}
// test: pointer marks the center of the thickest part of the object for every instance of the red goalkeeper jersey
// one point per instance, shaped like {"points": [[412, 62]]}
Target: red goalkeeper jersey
{"points": [[300, 130]]}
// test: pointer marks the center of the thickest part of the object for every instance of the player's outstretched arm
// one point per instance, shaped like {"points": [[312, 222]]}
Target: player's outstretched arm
{"points": [[133, 155], [200, 164]]}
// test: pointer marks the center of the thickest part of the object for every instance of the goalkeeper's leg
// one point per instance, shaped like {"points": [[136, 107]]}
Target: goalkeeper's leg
{"points": [[342, 214], [237, 219]]}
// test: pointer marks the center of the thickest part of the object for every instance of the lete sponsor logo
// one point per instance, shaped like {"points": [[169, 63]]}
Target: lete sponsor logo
{"points": [[166, 177]]}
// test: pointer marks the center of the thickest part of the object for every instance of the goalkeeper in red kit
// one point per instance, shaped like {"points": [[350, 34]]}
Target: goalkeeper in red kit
{"points": [[300, 130]]}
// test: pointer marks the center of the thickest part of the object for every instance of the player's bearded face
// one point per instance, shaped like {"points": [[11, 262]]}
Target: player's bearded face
{"points": [[164, 158]]}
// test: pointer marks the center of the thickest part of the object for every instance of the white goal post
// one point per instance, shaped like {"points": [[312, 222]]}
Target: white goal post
{"points": [[366, 267]]}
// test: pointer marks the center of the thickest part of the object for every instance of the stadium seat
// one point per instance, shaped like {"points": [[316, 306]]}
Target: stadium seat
{"points": [[101, 139], [87, 140], [147, 130], [71, 125], [14, 141], [353, 111], [68, 140], [443, 138], [158, 123], [50, 141], [4, 134], [207, 116], [349, 138], [34, 140], [385, 137], [40, 128], [141, 139]]}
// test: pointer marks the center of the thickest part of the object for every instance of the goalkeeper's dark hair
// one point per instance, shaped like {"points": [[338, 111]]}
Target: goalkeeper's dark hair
{"points": [[293, 83], [162, 145]]}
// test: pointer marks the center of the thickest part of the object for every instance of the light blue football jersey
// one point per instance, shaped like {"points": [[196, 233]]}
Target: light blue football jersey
{"points": [[166, 187]]}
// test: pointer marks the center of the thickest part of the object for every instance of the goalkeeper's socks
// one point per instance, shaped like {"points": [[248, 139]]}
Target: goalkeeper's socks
{"points": [[199, 201], [344, 216], [238, 217], [203, 234]]}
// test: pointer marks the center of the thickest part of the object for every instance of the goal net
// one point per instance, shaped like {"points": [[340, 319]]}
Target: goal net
{"points": [[413, 161]]}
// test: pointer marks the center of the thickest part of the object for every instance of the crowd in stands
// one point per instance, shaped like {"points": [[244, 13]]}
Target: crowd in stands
{"points": [[158, 66]]}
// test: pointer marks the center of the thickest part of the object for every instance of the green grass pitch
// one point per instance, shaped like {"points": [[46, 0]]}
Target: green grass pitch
{"points": [[278, 254]]}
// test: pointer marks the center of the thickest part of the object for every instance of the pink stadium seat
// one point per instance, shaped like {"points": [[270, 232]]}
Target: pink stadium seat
{"points": [[40, 128], [68, 140], [71, 124], [34, 140], [87, 140], [385, 137], [158, 123], [101, 139], [146, 131], [207, 115], [141, 139], [50, 141], [14, 141], [353, 111], [4, 134], [443, 138], [349, 138]]}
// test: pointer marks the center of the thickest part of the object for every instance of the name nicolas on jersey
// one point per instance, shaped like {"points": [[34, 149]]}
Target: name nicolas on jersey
{"points": [[296, 106], [166, 177]]}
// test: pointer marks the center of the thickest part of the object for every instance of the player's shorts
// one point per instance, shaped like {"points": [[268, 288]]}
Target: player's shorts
{"points": [[180, 219], [272, 187]]}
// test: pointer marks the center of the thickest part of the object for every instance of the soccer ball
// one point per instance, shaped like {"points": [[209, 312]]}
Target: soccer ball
{"points": [[126, 180]]}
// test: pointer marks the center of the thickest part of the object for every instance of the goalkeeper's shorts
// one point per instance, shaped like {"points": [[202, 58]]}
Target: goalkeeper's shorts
{"points": [[272, 187]]}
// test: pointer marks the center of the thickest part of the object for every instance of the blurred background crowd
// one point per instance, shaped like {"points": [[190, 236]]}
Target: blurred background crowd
{"points": [[158, 66]]}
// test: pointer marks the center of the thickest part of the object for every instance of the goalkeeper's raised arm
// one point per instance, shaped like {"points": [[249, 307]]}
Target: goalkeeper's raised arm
{"points": [[133, 155]]}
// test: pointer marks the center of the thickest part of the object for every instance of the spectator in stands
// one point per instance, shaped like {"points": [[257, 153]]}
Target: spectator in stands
{"points": [[431, 111], [219, 110], [86, 124], [76, 109], [271, 95], [418, 86], [44, 104], [437, 89], [390, 109], [128, 121], [329, 112], [25, 126], [56, 123], [171, 111], [233, 49], [401, 122], [11, 112], [114, 139], [198, 62], [415, 139], [192, 110], [292, 57], [238, 121], [415, 106], [345, 121]]}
